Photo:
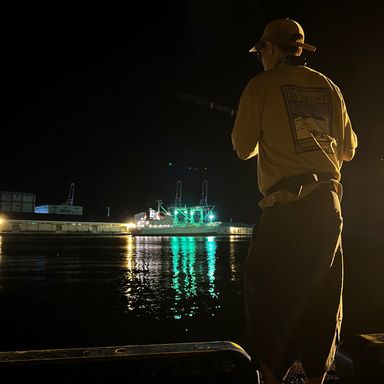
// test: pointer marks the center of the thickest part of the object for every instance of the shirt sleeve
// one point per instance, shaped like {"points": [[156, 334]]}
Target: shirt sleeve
{"points": [[247, 128], [350, 138]]}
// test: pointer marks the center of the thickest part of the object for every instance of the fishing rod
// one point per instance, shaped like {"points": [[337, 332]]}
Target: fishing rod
{"points": [[209, 104]]}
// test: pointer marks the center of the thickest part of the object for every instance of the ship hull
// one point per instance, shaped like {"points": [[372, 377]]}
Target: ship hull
{"points": [[176, 231]]}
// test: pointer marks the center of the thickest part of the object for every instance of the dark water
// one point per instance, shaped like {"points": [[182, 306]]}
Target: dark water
{"points": [[65, 292]]}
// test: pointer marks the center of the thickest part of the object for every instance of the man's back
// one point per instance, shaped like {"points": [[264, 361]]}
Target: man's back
{"points": [[299, 119]]}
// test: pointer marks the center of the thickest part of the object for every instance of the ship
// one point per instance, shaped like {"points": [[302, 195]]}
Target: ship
{"points": [[183, 220], [173, 221]]}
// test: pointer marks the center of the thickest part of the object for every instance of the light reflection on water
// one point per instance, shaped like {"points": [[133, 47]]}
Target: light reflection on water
{"points": [[173, 276], [118, 290], [232, 257], [211, 260]]}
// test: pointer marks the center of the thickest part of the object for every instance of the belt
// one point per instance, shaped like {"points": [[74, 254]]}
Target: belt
{"points": [[294, 183]]}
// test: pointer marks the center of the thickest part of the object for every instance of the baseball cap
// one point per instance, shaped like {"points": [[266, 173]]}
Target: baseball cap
{"points": [[283, 31]]}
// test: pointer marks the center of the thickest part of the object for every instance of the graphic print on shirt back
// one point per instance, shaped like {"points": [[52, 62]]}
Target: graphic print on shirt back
{"points": [[309, 113]]}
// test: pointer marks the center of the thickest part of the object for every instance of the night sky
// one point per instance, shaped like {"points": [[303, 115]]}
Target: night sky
{"points": [[95, 95]]}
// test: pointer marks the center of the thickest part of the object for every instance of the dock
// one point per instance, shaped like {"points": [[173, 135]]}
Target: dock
{"points": [[61, 227]]}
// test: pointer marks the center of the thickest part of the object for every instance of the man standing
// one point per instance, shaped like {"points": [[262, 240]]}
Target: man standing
{"points": [[295, 119]]}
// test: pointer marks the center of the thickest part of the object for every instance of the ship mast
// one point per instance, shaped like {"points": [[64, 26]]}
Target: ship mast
{"points": [[204, 194], [159, 203], [178, 194]]}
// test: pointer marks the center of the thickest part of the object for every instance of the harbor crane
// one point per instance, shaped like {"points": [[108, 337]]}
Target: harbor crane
{"points": [[71, 194]]}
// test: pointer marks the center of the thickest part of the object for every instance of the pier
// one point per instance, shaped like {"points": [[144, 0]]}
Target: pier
{"points": [[61, 227]]}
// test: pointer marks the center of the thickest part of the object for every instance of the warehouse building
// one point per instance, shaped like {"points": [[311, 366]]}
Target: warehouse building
{"points": [[17, 201], [60, 209]]}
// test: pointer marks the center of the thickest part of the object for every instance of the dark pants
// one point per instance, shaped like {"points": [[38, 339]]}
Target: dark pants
{"points": [[293, 284]]}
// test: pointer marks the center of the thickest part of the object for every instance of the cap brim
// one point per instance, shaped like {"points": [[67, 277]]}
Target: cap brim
{"points": [[256, 47], [307, 47]]}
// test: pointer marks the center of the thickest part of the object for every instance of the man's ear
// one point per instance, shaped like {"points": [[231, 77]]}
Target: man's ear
{"points": [[269, 47]]}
